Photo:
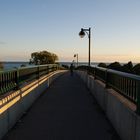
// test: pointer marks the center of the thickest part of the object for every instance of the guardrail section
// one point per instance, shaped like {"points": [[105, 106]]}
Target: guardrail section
{"points": [[126, 84], [13, 79]]}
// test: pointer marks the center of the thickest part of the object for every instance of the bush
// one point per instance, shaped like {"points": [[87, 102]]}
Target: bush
{"points": [[115, 66], [43, 57], [136, 69], [102, 65], [128, 67], [22, 65], [65, 66]]}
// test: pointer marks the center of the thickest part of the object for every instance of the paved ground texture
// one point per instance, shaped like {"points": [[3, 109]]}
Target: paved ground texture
{"points": [[66, 111]]}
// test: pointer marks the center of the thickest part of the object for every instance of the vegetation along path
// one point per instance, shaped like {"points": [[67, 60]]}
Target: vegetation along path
{"points": [[66, 111]]}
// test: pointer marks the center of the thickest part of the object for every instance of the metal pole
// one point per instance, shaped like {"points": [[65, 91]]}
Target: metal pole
{"points": [[77, 59], [89, 46], [82, 33], [17, 79]]}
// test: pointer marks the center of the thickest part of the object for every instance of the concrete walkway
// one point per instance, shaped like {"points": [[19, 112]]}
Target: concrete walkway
{"points": [[66, 111]]}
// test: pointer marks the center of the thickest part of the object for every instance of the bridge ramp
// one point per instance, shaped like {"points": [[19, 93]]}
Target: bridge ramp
{"points": [[65, 111]]}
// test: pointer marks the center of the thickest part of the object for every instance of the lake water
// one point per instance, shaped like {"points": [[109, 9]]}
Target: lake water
{"points": [[13, 65]]}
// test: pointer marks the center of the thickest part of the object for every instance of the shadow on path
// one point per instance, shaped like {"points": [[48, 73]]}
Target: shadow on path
{"points": [[66, 111]]}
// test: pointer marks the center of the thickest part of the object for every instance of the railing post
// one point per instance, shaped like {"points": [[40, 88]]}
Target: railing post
{"points": [[47, 69], [138, 98], [94, 73], [106, 79], [88, 70], [56, 67], [1, 89], [17, 79], [2, 83], [38, 75]]}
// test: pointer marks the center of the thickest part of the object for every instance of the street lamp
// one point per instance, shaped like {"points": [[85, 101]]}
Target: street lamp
{"points": [[76, 55], [82, 34]]}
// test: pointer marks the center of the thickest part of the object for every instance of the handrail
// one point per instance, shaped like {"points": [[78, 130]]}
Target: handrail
{"points": [[126, 84], [13, 79]]}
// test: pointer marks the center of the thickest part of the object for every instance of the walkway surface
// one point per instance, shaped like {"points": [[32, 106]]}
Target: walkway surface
{"points": [[66, 111]]}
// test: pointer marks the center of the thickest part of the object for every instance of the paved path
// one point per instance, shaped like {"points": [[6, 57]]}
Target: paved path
{"points": [[66, 111]]}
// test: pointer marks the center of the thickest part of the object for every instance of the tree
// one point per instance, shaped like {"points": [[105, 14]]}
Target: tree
{"points": [[102, 65], [136, 69], [22, 65], [128, 67], [115, 66], [43, 57]]}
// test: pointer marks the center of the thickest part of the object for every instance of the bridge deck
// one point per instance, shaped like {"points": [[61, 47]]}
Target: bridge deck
{"points": [[66, 111]]}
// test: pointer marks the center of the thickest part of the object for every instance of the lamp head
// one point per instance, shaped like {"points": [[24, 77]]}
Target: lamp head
{"points": [[82, 33]]}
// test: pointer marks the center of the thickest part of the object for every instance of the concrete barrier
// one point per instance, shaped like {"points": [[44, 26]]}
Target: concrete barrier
{"points": [[138, 128], [119, 112], [14, 104]]}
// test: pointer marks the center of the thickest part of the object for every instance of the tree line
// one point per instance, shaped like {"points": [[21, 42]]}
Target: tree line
{"points": [[128, 67]]}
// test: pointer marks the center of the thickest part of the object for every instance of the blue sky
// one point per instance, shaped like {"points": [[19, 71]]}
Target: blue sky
{"points": [[27, 26]]}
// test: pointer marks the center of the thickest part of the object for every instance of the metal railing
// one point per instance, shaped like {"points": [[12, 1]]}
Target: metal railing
{"points": [[13, 79], [126, 84]]}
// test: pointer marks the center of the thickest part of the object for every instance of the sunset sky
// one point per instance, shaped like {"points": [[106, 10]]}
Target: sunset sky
{"points": [[27, 26]]}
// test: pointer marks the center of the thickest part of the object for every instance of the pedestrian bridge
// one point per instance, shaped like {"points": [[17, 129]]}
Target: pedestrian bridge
{"points": [[58, 106]]}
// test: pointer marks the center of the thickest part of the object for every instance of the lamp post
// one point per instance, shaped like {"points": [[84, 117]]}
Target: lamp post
{"points": [[76, 55], [82, 34]]}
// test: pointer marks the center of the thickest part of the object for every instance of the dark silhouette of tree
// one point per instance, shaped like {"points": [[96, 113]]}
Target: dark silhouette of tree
{"points": [[43, 57], [22, 65], [65, 66], [115, 66], [128, 67], [136, 69], [102, 65]]}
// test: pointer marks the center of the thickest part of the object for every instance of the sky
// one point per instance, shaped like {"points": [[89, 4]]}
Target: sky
{"points": [[28, 26]]}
